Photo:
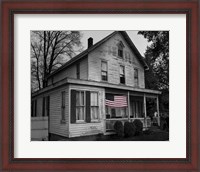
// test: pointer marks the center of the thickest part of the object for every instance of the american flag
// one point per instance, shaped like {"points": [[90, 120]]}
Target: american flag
{"points": [[119, 101]]}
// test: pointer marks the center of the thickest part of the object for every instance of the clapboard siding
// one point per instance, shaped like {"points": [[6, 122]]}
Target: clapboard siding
{"points": [[39, 128], [77, 130], [84, 69], [82, 129], [55, 125], [70, 72], [108, 52]]}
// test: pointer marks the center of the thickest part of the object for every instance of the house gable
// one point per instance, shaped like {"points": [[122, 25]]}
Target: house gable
{"points": [[105, 49], [71, 72], [108, 52]]}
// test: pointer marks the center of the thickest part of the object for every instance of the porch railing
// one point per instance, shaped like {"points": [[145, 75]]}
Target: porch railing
{"points": [[110, 122]]}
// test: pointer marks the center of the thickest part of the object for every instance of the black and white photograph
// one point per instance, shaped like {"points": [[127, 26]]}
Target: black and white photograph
{"points": [[99, 85]]}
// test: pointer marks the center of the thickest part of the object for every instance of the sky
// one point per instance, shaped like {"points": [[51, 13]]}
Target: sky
{"points": [[139, 41]]}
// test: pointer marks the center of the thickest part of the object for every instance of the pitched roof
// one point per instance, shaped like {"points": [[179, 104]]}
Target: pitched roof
{"points": [[85, 53]]}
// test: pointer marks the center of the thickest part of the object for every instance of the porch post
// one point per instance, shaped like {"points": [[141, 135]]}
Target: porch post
{"points": [[145, 111], [158, 110], [129, 110]]}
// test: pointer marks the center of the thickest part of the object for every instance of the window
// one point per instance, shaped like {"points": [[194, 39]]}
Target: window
{"points": [[122, 75], [94, 106], [114, 112], [78, 71], [63, 107], [80, 105], [137, 109], [104, 71], [120, 52], [136, 77], [120, 49]]}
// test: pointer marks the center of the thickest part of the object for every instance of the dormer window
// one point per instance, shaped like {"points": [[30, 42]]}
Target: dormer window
{"points": [[120, 49]]}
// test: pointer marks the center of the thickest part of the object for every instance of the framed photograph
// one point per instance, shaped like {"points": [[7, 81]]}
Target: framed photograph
{"points": [[100, 85]]}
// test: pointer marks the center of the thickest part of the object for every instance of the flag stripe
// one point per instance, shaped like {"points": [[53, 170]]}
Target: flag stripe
{"points": [[119, 101]]}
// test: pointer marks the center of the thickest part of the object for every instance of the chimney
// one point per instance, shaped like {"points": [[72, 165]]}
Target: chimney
{"points": [[90, 42]]}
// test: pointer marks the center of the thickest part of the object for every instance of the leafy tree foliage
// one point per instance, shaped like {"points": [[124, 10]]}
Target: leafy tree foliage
{"points": [[50, 50], [157, 58]]}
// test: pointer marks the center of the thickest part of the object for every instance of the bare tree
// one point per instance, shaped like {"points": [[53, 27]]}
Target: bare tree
{"points": [[50, 50]]}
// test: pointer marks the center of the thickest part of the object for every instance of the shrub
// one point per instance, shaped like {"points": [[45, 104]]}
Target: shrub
{"points": [[118, 126], [138, 126], [129, 129], [164, 123]]}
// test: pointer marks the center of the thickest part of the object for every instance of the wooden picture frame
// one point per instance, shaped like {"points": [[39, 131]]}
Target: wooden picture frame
{"points": [[11, 7]]}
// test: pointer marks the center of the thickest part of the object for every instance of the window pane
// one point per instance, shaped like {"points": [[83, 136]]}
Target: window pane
{"points": [[104, 73], [104, 66], [94, 99], [77, 98], [122, 70], [123, 112], [136, 81], [120, 53], [80, 113], [104, 78], [94, 112], [122, 80], [81, 98], [135, 73]]}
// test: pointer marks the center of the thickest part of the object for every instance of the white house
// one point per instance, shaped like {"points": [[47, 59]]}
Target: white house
{"points": [[93, 90]]}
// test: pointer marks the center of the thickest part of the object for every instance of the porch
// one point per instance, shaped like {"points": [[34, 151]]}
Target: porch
{"points": [[134, 106]]}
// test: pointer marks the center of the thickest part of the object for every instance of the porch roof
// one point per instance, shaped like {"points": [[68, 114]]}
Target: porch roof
{"points": [[95, 84]]}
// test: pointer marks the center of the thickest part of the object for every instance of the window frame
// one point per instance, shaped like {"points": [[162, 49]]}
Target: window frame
{"points": [[120, 51], [122, 75], [84, 106], [98, 110], [106, 71], [136, 84], [63, 101]]}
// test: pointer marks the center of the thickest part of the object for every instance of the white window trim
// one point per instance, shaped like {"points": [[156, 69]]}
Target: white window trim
{"points": [[84, 115], [124, 74], [98, 117], [137, 77], [101, 70]]}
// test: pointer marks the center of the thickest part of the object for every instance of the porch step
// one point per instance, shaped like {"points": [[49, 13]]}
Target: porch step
{"points": [[109, 133]]}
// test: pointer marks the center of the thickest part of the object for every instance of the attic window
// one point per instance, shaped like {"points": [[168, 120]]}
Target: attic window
{"points": [[120, 49]]}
